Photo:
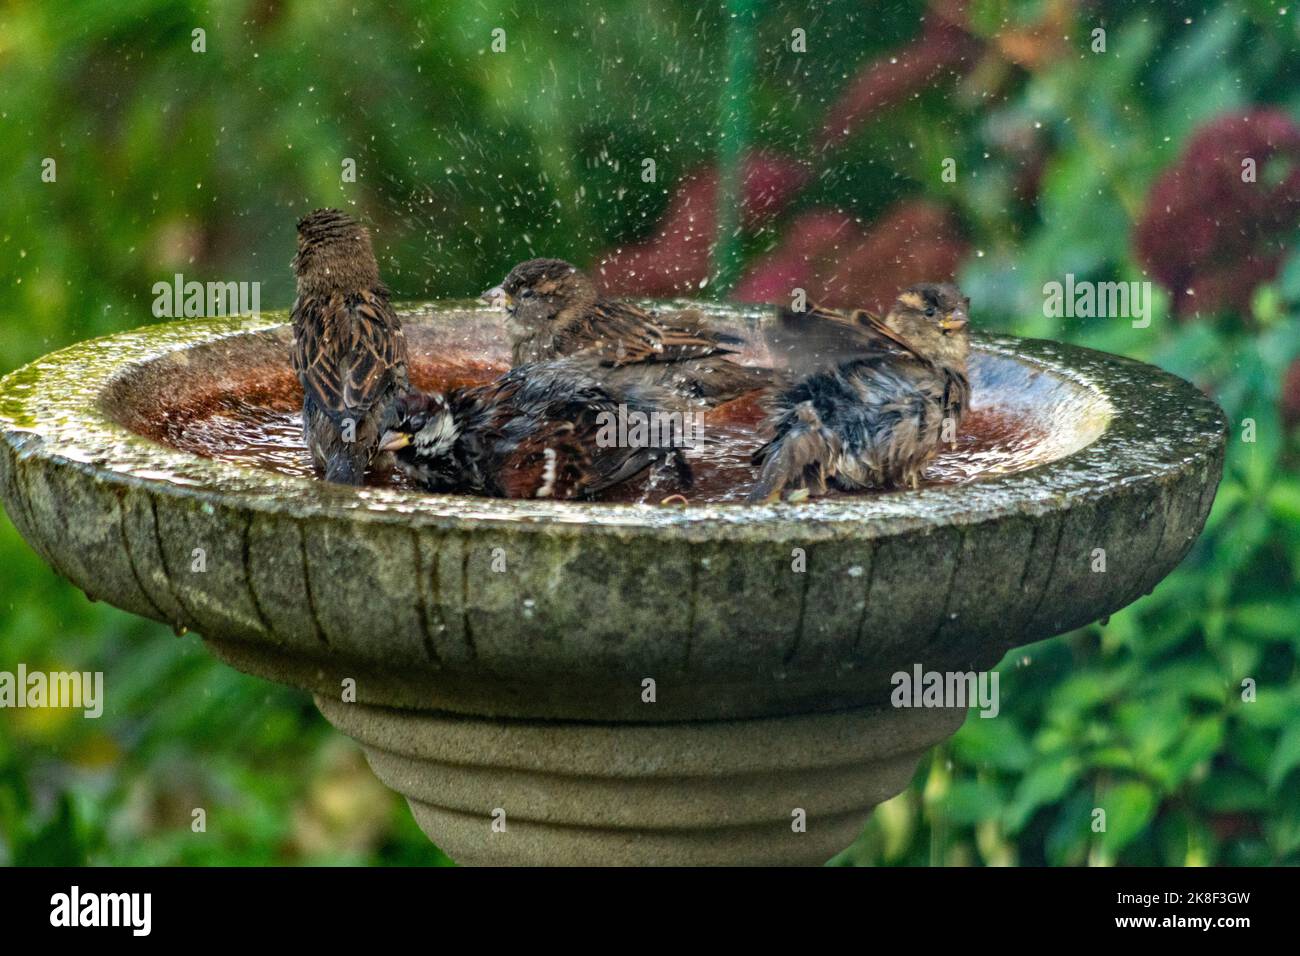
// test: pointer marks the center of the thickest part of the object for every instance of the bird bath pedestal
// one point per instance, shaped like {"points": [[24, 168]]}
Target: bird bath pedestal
{"points": [[493, 657]]}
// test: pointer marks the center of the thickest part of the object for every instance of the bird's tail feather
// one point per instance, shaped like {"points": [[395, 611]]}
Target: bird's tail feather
{"points": [[345, 468], [802, 456]]}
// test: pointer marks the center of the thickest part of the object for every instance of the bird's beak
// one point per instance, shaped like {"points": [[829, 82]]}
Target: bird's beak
{"points": [[393, 441], [498, 298], [954, 321]]}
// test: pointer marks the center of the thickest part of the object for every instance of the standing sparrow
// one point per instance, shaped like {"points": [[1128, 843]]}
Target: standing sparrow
{"points": [[876, 418], [542, 430], [556, 311], [348, 350]]}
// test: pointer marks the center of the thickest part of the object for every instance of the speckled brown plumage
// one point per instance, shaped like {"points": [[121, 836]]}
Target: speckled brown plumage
{"points": [[555, 311], [877, 414], [536, 432], [348, 350]]}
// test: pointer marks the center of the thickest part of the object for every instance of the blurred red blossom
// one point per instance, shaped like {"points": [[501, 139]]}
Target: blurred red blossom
{"points": [[948, 48], [814, 241], [942, 49], [824, 251], [838, 264], [675, 260], [1291, 395], [1210, 235]]}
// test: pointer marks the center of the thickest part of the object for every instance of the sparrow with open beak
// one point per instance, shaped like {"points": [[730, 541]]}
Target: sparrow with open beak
{"points": [[542, 430], [555, 311], [348, 350], [879, 413]]}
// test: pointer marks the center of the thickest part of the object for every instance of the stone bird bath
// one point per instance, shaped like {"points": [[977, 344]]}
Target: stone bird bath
{"points": [[499, 648]]}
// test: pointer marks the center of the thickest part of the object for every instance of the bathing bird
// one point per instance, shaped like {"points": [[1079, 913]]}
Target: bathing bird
{"points": [[348, 350], [541, 430], [892, 392], [555, 311]]}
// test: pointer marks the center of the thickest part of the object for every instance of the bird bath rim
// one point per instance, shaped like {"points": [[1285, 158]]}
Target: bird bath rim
{"points": [[59, 399], [557, 610]]}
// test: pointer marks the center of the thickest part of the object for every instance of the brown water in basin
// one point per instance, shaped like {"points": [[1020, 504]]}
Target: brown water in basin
{"points": [[256, 421]]}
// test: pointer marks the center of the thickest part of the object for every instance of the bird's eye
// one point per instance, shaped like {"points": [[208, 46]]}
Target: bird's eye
{"points": [[526, 294], [929, 313]]}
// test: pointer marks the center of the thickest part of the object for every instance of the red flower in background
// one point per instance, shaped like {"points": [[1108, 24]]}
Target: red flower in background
{"points": [[1291, 395], [942, 49], [676, 259], [814, 242], [1207, 234], [837, 264], [823, 251]]}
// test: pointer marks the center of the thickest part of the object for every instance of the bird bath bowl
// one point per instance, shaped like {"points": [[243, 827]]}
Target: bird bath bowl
{"points": [[500, 651]]}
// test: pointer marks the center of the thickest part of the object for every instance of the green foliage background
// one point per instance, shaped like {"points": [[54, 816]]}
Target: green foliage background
{"points": [[176, 161]]}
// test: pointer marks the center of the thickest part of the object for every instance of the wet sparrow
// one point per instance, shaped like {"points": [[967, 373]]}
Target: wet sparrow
{"points": [[542, 430], [876, 416], [556, 311], [348, 350]]}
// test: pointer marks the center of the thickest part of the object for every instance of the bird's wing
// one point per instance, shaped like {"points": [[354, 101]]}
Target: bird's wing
{"points": [[819, 339], [623, 334], [873, 330], [316, 330], [378, 352], [550, 445], [561, 459], [549, 465], [348, 351]]}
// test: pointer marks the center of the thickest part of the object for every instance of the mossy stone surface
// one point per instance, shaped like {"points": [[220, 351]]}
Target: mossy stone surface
{"points": [[308, 583]]}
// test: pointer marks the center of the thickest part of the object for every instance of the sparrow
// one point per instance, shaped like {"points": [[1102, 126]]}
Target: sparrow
{"points": [[555, 311], [542, 430], [878, 415], [348, 350]]}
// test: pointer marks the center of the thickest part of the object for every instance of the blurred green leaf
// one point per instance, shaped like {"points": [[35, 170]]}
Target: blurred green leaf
{"points": [[1129, 808], [1044, 783], [1286, 757], [997, 742]]}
